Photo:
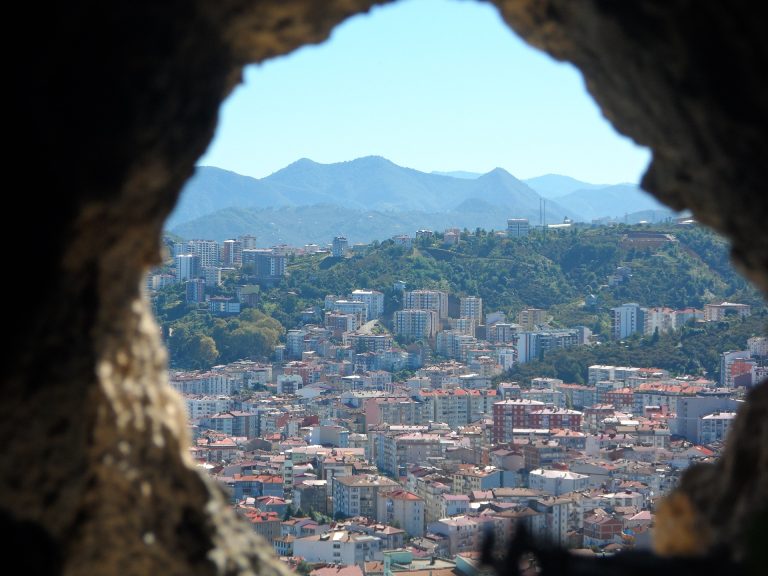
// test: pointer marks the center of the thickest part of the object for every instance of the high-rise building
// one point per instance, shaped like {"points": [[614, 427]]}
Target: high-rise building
{"points": [[339, 246], [247, 241], [195, 289], [427, 300], [231, 253], [517, 228], [628, 319], [212, 275], [187, 267], [471, 307], [530, 318], [208, 250], [416, 323], [265, 264], [374, 299]]}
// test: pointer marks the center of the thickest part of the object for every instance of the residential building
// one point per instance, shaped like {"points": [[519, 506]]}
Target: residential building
{"points": [[416, 323], [402, 509], [714, 427], [264, 264], [717, 312], [195, 290], [471, 307], [530, 318], [628, 319], [557, 482], [373, 298], [231, 253], [357, 495], [427, 300], [339, 547], [339, 247], [207, 250], [511, 414], [187, 267]]}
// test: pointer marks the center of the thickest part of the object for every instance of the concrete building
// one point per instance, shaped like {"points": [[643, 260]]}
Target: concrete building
{"points": [[373, 298], [530, 318], [517, 227], [416, 323], [720, 311], [403, 509], [557, 482], [427, 300], [714, 427], [357, 495], [339, 547], [339, 247], [627, 319], [263, 264], [231, 253], [187, 267], [471, 307], [511, 414], [208, 250]]}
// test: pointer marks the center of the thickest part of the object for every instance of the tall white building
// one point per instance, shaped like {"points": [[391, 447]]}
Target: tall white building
{"points": [[187, 267], [208, 250], [416, 323], [627, 319], [374, 299], [471, 307], [427, 300]]}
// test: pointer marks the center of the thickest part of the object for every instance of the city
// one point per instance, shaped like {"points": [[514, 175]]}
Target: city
{"points": [[383, 434]]}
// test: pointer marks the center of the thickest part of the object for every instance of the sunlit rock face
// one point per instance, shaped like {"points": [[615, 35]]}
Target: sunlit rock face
{"points": [[111, 106]]}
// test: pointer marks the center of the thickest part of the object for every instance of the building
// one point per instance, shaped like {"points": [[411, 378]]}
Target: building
{"points": [[714, 427], [517, 228], [627, 319], [355, 307], [212, 275], [339, 247], [557, 482], [416, 323], [231, 253], [373, 298], [511, 414], [427, 300], [402, 509], [471, 307], [195, 290], [339, 547], [208, 250], [733, 364], [187, 267], [660, 319], [530, 318], [264, 264], [248, 241], [223, 305], [357, 495], [721, 311]]}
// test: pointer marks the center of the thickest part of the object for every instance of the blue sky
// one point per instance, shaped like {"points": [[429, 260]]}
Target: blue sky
{"points": [[428, 84]]}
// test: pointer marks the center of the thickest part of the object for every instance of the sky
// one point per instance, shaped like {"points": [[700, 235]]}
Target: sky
{"points": [[435, 85]]}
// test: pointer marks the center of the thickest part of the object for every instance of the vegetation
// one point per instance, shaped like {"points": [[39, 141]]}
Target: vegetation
{"points": [[555, 269]]}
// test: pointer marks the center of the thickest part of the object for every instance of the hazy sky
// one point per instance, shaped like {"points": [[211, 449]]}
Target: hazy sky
{"points": [[428, 84]]}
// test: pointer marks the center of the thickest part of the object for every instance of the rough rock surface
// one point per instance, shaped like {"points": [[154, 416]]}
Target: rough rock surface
{"points": [[112, 103]]}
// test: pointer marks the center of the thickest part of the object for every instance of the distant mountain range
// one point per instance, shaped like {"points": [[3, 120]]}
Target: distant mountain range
{"points": [[373, 198]]}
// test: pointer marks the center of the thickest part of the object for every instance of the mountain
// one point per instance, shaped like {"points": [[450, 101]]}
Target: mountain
{"points": [[557, 185], [366, 184], [459, 174], [610, 201], [212, 189]]}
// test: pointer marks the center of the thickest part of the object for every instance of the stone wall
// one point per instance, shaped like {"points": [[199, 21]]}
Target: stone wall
{"points": [[112, 103]]}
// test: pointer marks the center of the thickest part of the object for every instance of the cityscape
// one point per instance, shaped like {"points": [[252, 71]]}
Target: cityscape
{"points": [[387, 429]]}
